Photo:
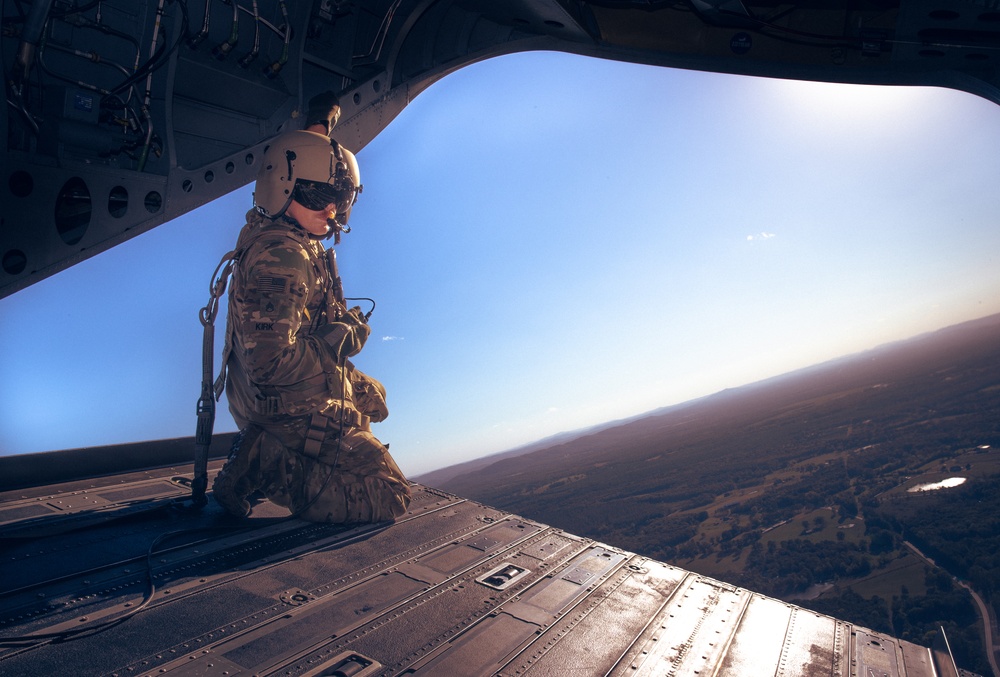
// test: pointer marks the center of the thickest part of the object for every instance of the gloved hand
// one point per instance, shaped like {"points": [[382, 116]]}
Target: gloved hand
{"points": [[347, 336], [369, 395]]}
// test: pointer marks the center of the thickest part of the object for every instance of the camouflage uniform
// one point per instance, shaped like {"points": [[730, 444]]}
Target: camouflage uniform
{"points": [[302, 407]]}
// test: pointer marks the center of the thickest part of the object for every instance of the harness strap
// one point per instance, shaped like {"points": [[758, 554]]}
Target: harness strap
{"points": [[315, 435], [206, 403], [212, 392]]}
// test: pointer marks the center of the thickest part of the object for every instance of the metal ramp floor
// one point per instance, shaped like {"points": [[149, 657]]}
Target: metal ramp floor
{"points": [[115, 576]]}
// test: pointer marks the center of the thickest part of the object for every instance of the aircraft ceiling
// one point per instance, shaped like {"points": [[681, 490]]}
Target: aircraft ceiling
{"points": [[124, 114]]}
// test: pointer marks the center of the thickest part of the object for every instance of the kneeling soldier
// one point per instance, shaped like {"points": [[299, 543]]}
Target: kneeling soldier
{"points": [[303, 409]]}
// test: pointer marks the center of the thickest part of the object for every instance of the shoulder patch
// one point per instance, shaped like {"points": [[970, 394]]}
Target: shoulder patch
{"points": [[271, 283]]}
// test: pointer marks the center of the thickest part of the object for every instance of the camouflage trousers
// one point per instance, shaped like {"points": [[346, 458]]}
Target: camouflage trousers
{"points": [[352, 478]]}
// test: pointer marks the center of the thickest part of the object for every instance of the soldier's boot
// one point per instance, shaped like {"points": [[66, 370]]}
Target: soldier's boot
{"points": [[239, 477]]}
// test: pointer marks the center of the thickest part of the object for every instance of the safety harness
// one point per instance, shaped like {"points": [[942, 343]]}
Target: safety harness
{"points": [[207, 400]]}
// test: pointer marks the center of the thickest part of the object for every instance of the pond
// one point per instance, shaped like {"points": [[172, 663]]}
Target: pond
{"points": [[943, 484]]}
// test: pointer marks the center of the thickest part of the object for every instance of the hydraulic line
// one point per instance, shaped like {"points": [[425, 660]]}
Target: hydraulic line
{"points": [[84, 22], [248, 58], [375, 51], [264, 22], [105, 140], [203, 33], [77, 10], [34, 25], [144, 155], [161, 55], [222, 50], [30, 37], [93, 57], [273, 70]]}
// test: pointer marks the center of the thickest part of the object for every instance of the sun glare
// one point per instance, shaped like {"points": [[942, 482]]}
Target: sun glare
{"points": [[840, 106]]}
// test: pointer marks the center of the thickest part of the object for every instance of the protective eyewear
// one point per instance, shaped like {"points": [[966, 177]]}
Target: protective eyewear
{"points": [[318, 196]]}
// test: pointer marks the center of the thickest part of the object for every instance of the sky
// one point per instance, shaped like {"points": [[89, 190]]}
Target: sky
{"points": [[554, 242]]}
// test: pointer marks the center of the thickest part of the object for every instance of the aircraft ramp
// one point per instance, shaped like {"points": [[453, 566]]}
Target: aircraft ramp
{"points": [[118, 575]]}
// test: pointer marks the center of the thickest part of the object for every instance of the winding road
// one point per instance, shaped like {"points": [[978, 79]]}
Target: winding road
{"points": [[983, 610]]}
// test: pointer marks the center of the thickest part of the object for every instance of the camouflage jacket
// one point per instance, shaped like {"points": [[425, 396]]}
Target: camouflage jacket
{"points": [[278, 362]]}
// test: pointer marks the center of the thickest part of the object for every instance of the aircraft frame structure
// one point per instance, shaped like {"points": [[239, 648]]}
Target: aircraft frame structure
{"points": [[122, 115]]}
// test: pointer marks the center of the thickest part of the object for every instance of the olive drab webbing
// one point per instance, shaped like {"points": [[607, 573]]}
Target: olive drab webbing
{"points": [[206, 403]]}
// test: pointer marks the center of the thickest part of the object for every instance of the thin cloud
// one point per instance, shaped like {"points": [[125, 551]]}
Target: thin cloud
{"points": [[760, 236], [393, 338]]}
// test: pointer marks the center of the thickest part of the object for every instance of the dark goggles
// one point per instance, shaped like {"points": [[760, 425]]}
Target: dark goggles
{"points": [[317, 196]]}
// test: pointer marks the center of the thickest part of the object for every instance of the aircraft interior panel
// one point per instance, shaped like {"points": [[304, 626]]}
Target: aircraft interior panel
{"points": [[123, 115]]}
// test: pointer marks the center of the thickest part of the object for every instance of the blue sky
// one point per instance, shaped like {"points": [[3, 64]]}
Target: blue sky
{"points": [[555, 242]]}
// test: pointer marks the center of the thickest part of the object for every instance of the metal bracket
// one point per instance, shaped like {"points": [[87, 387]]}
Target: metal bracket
{"points": [[346, 664], [503, 576], [296, 597]]}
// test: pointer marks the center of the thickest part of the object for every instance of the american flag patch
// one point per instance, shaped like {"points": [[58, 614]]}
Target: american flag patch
{"points": [[270, 283]]}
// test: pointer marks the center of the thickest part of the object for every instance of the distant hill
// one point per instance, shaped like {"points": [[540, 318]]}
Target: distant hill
{"points": [[495, 477], [437, 478]]}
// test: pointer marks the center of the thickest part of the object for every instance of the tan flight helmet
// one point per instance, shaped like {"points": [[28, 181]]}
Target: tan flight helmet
{"points": [[310, 168]]}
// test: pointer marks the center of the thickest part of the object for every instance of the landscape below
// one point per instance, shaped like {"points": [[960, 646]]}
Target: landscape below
{"points": [[800, 487]]}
